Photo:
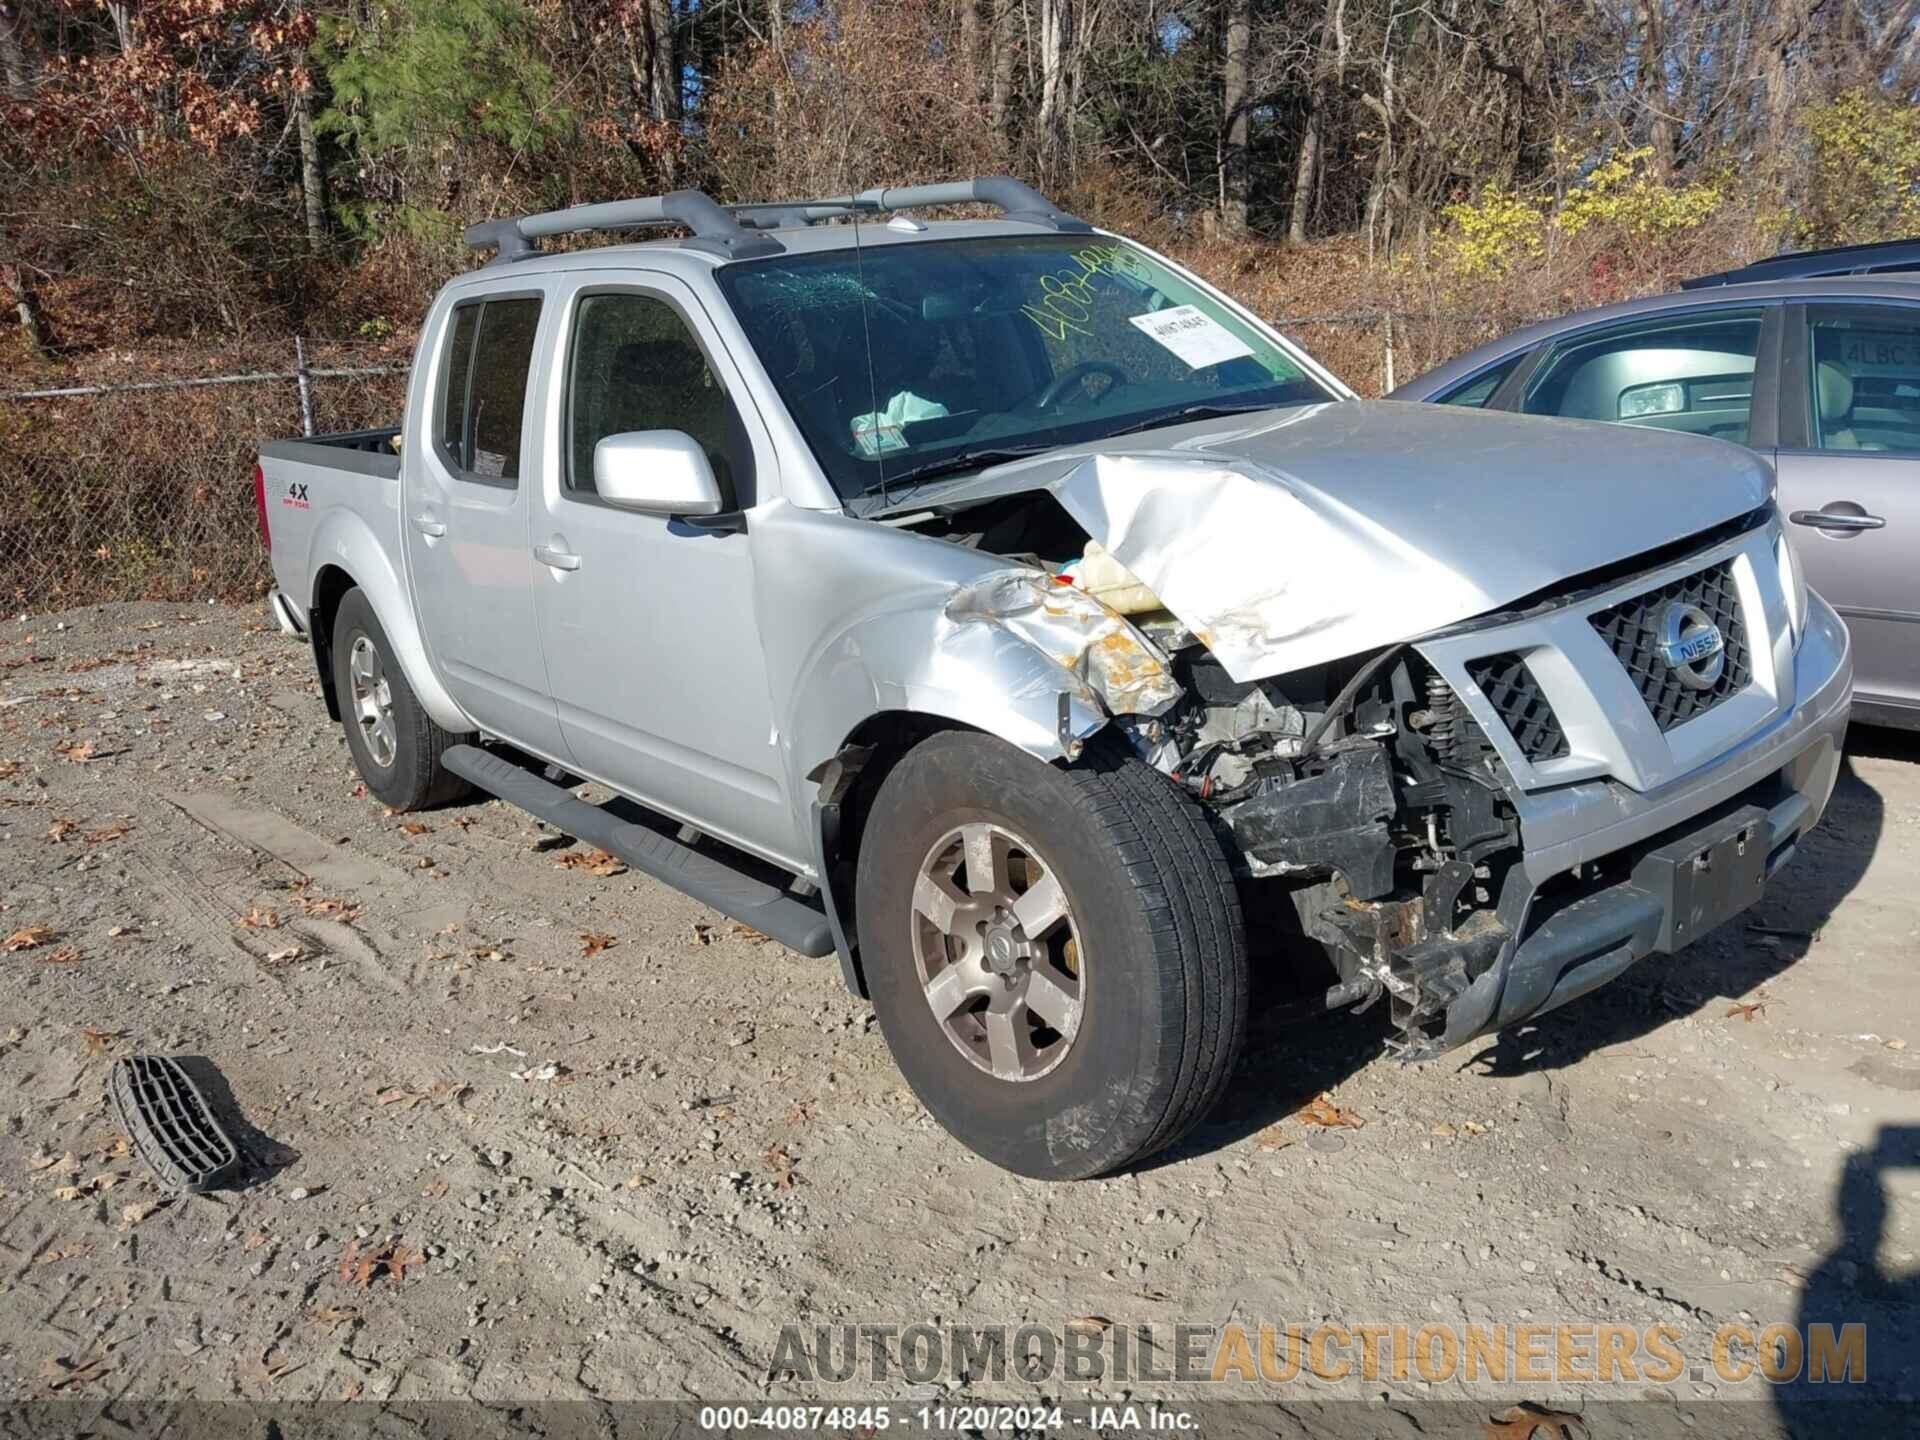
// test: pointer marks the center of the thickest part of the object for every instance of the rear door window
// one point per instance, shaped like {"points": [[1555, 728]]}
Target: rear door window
{"points": [[1865, 386], [484, 397], [1692, 373]]}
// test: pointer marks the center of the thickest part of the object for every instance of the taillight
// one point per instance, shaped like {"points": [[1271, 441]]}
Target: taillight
{"points": [[260, 506]]}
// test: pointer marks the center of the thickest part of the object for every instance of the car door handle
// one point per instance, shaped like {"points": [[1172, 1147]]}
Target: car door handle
{"points": [[427, 525], [558, 559], [1829, 520]]}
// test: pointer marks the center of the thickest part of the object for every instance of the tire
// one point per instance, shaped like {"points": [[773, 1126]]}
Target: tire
{"points": [[401, 768], [1149, 902]]}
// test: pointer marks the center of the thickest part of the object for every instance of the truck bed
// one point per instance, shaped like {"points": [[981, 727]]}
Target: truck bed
{"points": [[361, 452]]}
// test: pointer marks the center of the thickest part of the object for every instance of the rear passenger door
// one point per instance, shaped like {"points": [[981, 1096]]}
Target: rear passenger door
{"points": [[466, 492], [1849, 467]]}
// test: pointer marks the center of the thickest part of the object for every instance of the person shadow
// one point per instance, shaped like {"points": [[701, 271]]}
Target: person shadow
{"points": [[1734, 961], [1878, 1393]]}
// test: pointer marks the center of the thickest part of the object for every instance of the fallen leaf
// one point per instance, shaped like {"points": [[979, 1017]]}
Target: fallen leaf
{"points": [[65, 955], [255, 1240], [285, 952], [485, 952], [64, 1372], [1089, 1324], [330, 908], [99, 1040], [334, 1315], [77, 752], [780, 1162], [1322, 1111], [702, 933], [1747, 1012], [132, 1215], [591, 944], [1527, 1421], [414, 827], [1274, 1137], [29, 937], [364, 1266], [62, 828], [594, 862], [119, 930], [260, 918], [434, 1191], [107, 833], [751, 936], [9, 769]]}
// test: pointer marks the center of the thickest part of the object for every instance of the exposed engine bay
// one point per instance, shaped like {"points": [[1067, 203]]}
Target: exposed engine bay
{"points": [[1360, 794]]}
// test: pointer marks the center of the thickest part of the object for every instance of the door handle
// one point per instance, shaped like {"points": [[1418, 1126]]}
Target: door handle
{"points": [[558, 559], [429, 526], [1830, 520]]}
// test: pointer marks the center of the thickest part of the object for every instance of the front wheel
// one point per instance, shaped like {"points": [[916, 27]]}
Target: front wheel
{"points": [[396, 746], [1056, 956]]}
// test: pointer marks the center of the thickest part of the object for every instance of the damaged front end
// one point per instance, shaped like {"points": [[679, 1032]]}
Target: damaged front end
{"points": [[1377, 806], [1360, 794]]}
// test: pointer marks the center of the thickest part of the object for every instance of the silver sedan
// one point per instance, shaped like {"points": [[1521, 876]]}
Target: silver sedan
{"points": [[1822, 377]]}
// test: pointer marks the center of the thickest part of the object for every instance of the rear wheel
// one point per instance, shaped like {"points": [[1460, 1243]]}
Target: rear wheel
{"points": [[396, 747], [1056, 956]]}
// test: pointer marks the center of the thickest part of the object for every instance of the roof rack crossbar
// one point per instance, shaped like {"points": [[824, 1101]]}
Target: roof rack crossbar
{"points": [[1013, 198], [714, 229]]}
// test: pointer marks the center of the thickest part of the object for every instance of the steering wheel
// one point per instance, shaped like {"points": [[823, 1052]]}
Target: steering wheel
{"points": [[1074, 375]]}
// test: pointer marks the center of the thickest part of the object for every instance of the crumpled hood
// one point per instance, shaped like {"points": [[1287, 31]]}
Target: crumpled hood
{"points": [[1305, 535]]}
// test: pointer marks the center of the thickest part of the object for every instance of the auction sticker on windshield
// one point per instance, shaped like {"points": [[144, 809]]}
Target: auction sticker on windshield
{"points": [[1196, 337]]}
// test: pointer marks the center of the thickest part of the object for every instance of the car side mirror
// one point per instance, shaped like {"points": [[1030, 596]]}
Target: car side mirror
{"points": [[658, 472]]}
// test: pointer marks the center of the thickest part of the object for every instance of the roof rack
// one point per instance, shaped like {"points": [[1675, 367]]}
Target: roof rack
{"points": [[713, 228], [1884, 255], [727, 230]]}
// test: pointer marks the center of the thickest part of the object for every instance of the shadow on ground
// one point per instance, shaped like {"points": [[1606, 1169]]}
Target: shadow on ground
{"points": [[261, 1156], [1851, 1288]]}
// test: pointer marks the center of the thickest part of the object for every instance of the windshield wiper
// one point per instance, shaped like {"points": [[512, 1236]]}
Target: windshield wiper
{"points": [[953, 464], [1189, 412]]}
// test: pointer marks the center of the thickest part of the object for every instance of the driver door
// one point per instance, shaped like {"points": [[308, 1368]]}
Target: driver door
{"points": [[648, 625]]}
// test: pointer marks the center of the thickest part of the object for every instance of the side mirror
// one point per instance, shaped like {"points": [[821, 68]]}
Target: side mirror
{"points": [[660, 472]]}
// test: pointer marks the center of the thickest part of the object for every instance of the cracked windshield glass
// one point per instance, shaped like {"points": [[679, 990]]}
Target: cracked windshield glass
{"points": [[902, 363]]}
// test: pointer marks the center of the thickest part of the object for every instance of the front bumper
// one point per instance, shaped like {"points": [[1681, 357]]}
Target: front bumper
{"points": [[1589, 899]]}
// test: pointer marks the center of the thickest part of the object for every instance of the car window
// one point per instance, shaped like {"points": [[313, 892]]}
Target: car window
{"points": [[483, 402], [1864, 389], [636, 366], [901, 358], [1692, 373], [1478, 390]]}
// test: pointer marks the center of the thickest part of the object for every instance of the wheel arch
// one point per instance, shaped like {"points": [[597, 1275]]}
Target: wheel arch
{"points": [[346, 555], [847, 783]]}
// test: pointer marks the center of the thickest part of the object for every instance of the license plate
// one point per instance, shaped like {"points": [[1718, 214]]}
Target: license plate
{"points": [[1706, 878]]}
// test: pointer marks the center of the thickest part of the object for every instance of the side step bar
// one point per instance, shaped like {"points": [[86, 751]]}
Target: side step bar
{"points": [[794, 922]]}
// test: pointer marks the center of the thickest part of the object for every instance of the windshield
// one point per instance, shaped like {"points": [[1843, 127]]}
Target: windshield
{"points": [[904, 361]]}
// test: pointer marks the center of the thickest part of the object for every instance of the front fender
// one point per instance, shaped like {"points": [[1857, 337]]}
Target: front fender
{"points": [[858, 619], [343, 539]]}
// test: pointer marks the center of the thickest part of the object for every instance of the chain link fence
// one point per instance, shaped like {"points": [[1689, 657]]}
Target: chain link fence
{"points": [[143, 490]]}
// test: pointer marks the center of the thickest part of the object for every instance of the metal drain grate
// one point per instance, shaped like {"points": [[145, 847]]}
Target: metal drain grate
{"points": [[168, 1121]]}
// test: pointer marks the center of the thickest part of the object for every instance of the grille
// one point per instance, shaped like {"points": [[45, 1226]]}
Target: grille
{"points": [[1632, 630], [1511, 689]]}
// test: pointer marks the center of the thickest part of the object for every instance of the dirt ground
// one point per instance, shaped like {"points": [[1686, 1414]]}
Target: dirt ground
{"points": [[532, 1131]]}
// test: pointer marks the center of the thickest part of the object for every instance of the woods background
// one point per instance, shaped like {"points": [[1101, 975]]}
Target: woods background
{"points": [[187, 184]]}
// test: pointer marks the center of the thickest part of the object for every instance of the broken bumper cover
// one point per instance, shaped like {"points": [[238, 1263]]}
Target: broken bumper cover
{"points": [[1682, 860]]}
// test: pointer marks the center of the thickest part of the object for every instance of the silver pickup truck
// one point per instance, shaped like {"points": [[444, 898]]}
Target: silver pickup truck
{"points": [[999, 606]]}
